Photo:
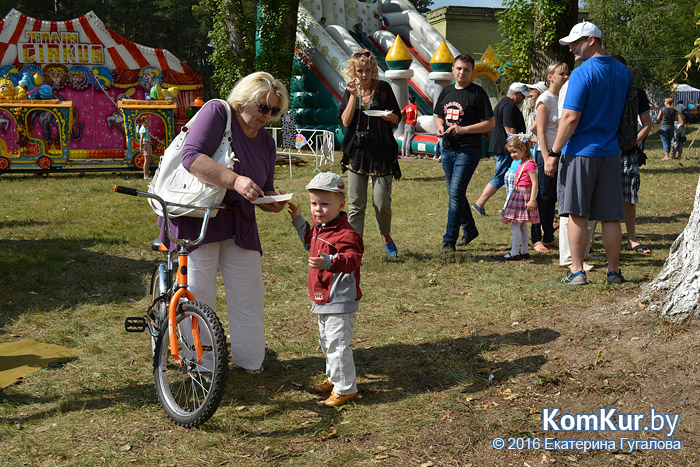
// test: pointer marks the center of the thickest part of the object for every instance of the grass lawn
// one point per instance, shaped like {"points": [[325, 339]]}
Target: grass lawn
{"points": [[451, 350]]}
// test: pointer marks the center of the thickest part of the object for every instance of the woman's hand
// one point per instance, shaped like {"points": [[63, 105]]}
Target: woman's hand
{"points": [[273, 207], [391, 116], [247, 188], [353, 87], [531, 205], [294, 210]]}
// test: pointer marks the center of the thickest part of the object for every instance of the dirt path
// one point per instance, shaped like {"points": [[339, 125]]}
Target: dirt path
{"points": [[609, 356]]}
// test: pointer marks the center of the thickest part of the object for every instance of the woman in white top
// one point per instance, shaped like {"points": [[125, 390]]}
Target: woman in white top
{"points": [[547, 122]]}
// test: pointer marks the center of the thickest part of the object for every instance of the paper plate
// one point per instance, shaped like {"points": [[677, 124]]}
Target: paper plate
{"points": [[377, 113], [273, 198]]}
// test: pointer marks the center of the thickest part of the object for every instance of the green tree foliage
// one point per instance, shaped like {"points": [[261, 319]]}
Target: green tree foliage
{"points": [[163, 24], [693, 57], [530, 31], [653, 36], [250, 36], [423, 6]]}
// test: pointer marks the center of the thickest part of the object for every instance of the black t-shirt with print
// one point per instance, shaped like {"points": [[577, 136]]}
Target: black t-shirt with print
{"points": [[463, 107]]}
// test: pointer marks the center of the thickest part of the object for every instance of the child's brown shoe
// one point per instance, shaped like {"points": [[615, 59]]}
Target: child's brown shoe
{"points": [[336, 399], [325, 386]]}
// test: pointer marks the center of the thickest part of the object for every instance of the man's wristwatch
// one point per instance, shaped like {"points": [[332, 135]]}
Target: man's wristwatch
{"points": [[553, 154]]}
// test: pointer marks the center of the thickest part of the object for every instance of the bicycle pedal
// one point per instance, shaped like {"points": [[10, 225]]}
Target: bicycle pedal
{"points": [[135, 324]]}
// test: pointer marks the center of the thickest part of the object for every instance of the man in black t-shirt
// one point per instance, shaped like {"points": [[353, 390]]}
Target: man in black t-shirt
{"points": [[509, 121], [462, 114]]}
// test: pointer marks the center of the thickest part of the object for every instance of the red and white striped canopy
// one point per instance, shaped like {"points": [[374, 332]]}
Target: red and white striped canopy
{"points": [[87, 41]]}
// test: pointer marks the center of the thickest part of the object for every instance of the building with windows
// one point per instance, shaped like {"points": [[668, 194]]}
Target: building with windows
{"points": [[470, 29]]}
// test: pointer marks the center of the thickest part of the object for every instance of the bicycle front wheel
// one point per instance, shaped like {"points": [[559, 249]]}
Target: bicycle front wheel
{"points": [[190, 392]]}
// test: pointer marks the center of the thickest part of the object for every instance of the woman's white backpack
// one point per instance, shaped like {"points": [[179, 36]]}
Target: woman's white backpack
{"points": [[175, 184]]}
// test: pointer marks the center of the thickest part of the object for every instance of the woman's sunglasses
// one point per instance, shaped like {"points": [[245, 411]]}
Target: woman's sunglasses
{"points": [[361, 54], [264, 109]]}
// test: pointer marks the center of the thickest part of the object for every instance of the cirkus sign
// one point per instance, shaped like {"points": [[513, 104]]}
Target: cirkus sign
{"points": [[53, 52]]}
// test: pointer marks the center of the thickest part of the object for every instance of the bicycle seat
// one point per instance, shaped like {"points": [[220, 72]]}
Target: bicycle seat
{"points": [[156, 245]]}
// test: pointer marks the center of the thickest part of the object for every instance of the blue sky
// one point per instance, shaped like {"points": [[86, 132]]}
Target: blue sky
{"points": [[482, 3]]}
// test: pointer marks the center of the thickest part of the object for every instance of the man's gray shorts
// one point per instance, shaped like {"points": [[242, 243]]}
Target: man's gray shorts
{"points": [[590, 187]]}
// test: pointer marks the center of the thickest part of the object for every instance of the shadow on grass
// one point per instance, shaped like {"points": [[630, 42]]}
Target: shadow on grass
{"points": [[42, 275], [641, 220], [690, 166], [427, 179], [134, 395], [10, 224], [394, 372]]}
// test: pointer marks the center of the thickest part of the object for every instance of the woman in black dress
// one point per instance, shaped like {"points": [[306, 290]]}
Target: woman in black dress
{"points": [[369, 147]]}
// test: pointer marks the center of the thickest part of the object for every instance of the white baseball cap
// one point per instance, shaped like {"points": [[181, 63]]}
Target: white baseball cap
{"points": [[583, 29], [327, 181], [540, 86], [518, 87]]}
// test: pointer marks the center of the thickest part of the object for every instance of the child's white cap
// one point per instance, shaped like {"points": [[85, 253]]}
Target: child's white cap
{"points": [[327, 181]]}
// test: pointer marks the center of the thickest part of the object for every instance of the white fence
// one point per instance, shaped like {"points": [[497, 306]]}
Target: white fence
{"points": [[320, 143]]}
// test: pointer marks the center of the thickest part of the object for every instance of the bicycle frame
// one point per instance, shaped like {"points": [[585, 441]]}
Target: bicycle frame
{"points": [[181, 290]]}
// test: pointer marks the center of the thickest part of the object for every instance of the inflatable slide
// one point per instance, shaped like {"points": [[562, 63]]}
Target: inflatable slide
{"points": [[322, 51]]}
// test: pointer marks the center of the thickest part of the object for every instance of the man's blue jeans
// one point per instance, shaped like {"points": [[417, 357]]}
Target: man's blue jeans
{"points": [[459, 166], [503, 162]]}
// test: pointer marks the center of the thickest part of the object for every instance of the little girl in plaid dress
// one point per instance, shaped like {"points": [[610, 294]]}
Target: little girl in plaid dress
{"points": [[522, 203]]}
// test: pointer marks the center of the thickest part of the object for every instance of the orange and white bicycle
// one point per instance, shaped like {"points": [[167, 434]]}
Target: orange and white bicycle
{"points": [[188, 343]]}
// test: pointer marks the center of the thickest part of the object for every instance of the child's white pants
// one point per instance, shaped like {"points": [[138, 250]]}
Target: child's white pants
{"points": [[335, 332]]}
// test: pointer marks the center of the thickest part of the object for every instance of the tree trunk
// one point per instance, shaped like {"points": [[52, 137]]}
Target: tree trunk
{"points": [[278, 37], [675, 292], [241, 31], [555, 52]]}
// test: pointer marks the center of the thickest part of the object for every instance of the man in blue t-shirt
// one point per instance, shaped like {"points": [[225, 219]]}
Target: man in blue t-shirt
{"points": [[589, 184]]}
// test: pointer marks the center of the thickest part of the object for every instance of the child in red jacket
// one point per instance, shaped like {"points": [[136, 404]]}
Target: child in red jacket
{"points": [[335, 253]]}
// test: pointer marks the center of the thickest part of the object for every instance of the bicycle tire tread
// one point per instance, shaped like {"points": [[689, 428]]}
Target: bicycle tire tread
{"points": [[218, 385]]}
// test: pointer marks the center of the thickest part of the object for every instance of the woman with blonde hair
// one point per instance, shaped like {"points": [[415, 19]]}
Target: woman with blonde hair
{"points": [[369, 111], [232, 244], [547, 122]]}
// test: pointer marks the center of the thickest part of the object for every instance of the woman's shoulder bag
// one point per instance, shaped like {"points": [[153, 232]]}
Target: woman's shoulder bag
{"points": [[175, 184]]}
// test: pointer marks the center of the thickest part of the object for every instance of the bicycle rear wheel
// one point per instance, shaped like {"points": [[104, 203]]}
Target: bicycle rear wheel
{"points": [[191, 392], [157, 296]]}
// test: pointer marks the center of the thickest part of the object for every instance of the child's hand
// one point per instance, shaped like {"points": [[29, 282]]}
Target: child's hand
{"points": [[315, 261], [294, 210], [531, 205]]}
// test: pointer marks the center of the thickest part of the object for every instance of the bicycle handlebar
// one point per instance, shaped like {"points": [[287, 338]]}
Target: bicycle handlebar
{"points": [[164, 208], [126, 190]]}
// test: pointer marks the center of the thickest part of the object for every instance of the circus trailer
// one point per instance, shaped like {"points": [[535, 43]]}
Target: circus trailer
{"points": [[84, 62]]}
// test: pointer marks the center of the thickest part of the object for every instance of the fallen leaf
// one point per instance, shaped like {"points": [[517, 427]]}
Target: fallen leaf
{"points": [[332, 434], [125, 448], [446, 416], [381, 456]]}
